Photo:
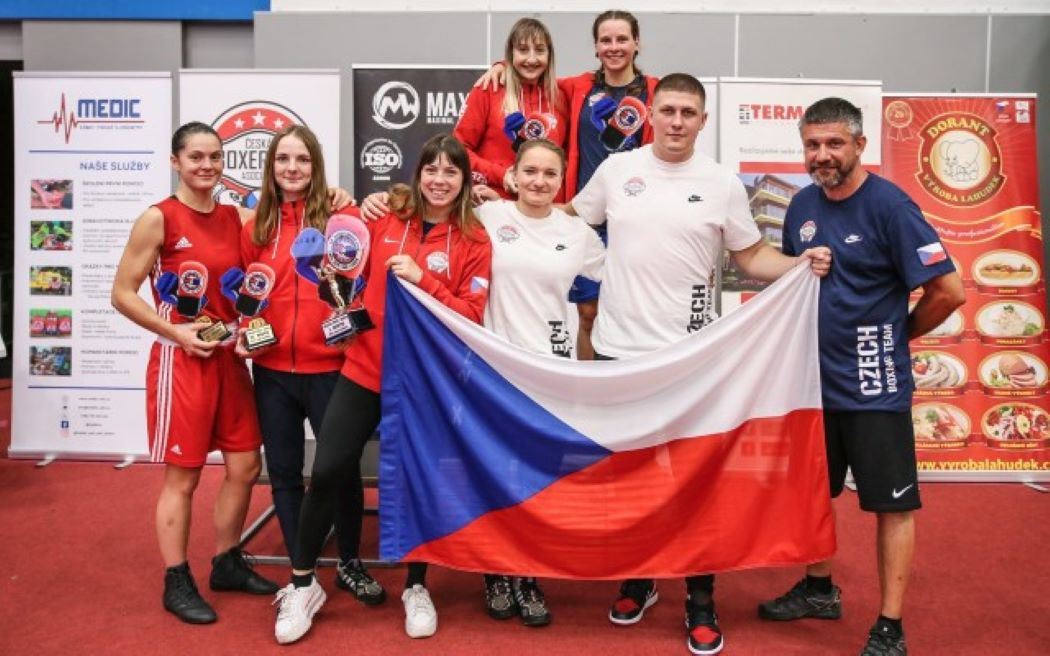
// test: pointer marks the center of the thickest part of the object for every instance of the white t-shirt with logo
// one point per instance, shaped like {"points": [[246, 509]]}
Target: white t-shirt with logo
{"points": [[534, 262], [667, 224]]}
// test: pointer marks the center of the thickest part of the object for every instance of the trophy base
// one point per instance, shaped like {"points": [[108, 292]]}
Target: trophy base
{"points": [[258, 335], [337, 328], [216, 332]]}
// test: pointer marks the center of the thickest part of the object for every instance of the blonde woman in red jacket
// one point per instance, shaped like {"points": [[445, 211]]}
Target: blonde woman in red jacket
{"points": [[616, 45], [530, 106], [433, 240], [294, 379]]}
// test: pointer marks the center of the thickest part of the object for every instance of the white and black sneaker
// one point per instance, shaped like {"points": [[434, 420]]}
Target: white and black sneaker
{"points": [[296, 610], [355, 579], [499, 597], [532, 606]]}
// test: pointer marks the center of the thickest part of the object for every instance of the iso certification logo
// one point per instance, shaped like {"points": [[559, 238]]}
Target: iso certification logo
{"points": [[381, 156]]}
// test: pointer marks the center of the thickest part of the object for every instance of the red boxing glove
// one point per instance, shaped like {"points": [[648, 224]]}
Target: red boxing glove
{"points": [[258, 282], [626, 120], [193, 280]]}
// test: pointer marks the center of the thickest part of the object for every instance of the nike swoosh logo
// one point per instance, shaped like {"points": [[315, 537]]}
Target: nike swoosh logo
{"points": [[898, 494], [388, 240], [852, 239]]}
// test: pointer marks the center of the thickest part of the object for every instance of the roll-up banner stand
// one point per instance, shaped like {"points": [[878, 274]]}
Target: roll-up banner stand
{"points": [[91, 154], [969, 161], [396, 109], [759, 139], [247, 107]]}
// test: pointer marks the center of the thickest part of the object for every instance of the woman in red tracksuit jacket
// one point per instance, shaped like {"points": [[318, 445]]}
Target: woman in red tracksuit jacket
{"points": [[529, 105], [616, 40], [294, 379], [436, 243]]}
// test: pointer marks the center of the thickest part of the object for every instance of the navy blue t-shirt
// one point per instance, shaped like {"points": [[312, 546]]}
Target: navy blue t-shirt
{"points": [[592, 151], [881, 249]]}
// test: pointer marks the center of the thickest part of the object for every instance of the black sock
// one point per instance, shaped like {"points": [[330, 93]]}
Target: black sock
{"points": [[894, 624], [417, 575], [302, 580], [819, 584]]}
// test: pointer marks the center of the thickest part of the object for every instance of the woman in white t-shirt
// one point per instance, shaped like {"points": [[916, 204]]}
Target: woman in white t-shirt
{"points": [[537, 252]]}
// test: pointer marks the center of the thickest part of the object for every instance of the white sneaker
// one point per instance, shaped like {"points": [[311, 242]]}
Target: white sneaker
{"points": [[421, 618], [296, 611]]}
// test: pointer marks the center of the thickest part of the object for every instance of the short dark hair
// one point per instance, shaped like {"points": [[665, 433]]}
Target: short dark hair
{"points": [[834, 110], [683, 83]]}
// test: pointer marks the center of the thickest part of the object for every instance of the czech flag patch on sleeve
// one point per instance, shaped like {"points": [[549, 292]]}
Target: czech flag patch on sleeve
{"points": [[478, 284], [931, 254]]}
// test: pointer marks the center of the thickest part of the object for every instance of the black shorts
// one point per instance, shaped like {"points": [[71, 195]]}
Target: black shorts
{"points": [[879, 448]]}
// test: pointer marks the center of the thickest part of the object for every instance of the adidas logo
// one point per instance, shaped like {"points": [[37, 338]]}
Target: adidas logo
{"points": [[183, 243], [177, 450]]}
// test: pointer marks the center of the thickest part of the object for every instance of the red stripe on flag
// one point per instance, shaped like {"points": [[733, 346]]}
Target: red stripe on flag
{"points": [[753, 497]]}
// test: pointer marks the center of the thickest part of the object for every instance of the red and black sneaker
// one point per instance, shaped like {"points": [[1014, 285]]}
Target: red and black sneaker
{"points": [[705, 636], [636, 595]]}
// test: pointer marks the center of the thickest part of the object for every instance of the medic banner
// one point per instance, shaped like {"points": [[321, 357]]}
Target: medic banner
{"points": [[980, 410], [91, 154], [759, 140], [248, 106], [396, 109]]}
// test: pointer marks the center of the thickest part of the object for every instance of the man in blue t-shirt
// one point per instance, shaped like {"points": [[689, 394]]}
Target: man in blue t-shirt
{"points": [[882, 248]]}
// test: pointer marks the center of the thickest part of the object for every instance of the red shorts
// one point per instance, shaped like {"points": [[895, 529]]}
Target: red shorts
{"points": [[197, 405]]}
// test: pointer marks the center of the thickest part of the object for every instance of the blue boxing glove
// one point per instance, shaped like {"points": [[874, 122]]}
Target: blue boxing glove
{"points": [[601, 111], [230, 283], [512, 124], [166, 285], [308, 253]]}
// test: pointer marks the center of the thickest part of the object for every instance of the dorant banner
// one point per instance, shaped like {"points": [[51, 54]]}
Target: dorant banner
{"points": [[980, 410]]}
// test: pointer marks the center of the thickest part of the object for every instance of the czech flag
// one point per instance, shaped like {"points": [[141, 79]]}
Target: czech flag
{"points": [[703, 457]]}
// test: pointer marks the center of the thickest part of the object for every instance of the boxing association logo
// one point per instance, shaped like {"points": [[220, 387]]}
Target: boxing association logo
{"points": [[960, 163], [258, 283], [343, 250], [246, 131], [395, 105]]}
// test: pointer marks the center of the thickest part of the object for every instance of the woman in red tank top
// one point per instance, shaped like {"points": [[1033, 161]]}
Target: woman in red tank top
{"points": [[199, 395]]}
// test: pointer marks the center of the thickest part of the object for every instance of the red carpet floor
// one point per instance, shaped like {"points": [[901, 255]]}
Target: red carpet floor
{"points": [[80, 574]]}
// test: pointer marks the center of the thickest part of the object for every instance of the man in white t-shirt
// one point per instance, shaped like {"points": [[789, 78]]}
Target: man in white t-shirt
{"points": [[670, 211]]}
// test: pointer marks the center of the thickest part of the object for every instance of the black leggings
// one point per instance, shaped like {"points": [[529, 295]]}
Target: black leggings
{"points": [[351, 419]]}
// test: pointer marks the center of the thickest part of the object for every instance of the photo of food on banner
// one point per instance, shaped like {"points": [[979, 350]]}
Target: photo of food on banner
{"points": [[250, 290], [185, 292], [335, 261]]}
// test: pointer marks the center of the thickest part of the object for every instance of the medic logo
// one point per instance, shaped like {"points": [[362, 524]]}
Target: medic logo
{"points": [[960, 163], [343, 250], [634, 187], [807, 231], [95, 114], [507, 234], [246, 131]]}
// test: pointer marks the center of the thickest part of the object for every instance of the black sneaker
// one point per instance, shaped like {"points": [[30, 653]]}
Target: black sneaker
{"points": [[636, 595], [499, 597], [884, 640], [230, 570], [705, 636], [532, 606], [182, 598], [355, 579], [801, 602]]}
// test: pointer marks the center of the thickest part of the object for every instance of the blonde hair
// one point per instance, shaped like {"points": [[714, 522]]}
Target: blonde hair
{"points": [[268, 211], [524, 31]]}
